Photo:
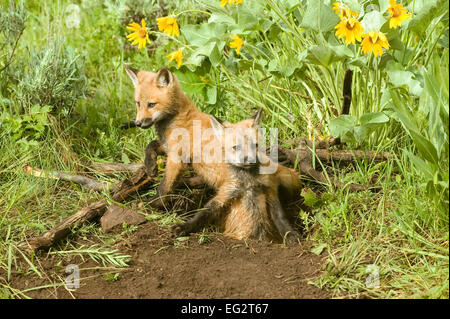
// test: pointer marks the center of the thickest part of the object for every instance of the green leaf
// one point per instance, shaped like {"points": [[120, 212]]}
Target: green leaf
{"points": [[424, 12], [211, 94], [215, 57], [373, 21], [200, 35], [342, 125], [317, 250], [319, 17], [423, 145], [311, 199], [220, 17], [190, 82], [444, 40], [327, 55], [421, 166], [373, 119], [398, 76]]}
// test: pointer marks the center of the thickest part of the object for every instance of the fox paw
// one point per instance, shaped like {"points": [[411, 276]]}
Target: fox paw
{"points": [[181, 229], [292, 238]]}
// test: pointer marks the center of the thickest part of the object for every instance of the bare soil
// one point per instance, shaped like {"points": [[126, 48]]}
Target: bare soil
{"points": [[162, 268]]}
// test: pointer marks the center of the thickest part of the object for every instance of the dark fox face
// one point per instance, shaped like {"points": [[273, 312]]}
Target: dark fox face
{"points": [[240, 141], [152, 94]]}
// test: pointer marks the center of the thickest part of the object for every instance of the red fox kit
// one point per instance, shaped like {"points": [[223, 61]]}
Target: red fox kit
{"points": [[161, 102], [255, 211]]}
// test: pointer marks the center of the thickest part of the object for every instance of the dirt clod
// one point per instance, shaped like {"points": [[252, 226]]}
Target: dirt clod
{"points": [[116, 216]]}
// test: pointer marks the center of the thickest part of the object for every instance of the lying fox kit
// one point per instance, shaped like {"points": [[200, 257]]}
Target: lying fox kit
{"points": [[255, 210], [161, 103]]}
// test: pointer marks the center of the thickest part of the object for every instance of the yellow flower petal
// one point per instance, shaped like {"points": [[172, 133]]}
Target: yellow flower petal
{"points": [[350, 28], [398, 14], [237, 43], [374, 42]]}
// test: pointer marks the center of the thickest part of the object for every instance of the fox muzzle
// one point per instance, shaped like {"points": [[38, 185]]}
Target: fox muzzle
{"points": [[145, 123]]}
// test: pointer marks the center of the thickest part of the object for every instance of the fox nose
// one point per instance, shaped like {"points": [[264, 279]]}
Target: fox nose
{"points": [[138, 123]]}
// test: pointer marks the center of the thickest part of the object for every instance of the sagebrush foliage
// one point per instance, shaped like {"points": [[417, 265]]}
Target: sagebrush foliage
{"points": [[52, 76]]}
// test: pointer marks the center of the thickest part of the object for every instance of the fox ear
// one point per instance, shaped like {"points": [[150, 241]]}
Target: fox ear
{"points": [[164, 77], [216, 125], [132, 73], [257, 117]]}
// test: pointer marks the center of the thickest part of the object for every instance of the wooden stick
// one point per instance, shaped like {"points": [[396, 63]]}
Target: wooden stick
{"points": [[93, 211], [114, 168], [78, 179], [304, 159]]}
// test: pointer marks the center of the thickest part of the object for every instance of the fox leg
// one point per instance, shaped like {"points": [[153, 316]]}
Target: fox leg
{"points": [[282, 223], [204, 217], [168, 183], [154, 148]]}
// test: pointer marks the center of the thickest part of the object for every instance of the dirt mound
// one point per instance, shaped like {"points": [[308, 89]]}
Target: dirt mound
{"points": [[162, 268]]}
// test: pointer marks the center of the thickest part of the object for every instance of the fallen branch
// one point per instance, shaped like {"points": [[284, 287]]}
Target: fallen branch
{"points": [[78, 179], [91, 212], [114, 168], [304, 158]]}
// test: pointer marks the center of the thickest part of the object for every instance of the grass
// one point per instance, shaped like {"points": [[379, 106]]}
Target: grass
{"points": [[400, 229]]}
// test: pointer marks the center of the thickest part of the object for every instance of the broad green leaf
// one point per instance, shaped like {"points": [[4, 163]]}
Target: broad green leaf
{"points": [[220, 17], [341, 125], [424, 12], [423, 145], [200, 35], [215, 57], [319, 17], [398, 76], [375, 118], [373, 21], [354, 5], [421, 166], [384, 5], [327, 55], [190, 82], [211, 94]]}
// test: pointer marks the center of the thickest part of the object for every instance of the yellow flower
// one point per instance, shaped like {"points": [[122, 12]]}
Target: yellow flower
{"points": [[343, 11], [168, 25], [230, 2], [177, 56], [140, 36], [338, 6], [398, 14], [237, 43], [347, 13], [350, 28], [374, 42]]}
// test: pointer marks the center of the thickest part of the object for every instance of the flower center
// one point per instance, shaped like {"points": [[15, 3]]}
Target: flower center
{"points": [[142, 33], [396, 12], [350, 25]]}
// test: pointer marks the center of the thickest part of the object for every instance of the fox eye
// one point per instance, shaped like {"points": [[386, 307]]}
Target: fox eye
{"points": [[138, 104], [150, 105]]}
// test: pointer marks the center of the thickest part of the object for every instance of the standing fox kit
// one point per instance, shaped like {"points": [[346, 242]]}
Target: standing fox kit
{"points": [[160, 102]]}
